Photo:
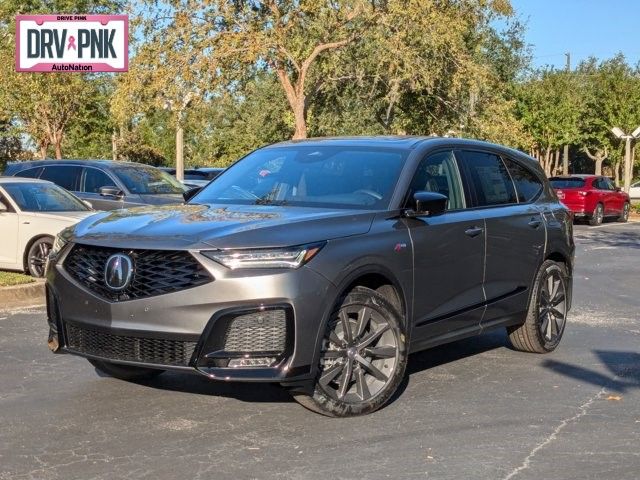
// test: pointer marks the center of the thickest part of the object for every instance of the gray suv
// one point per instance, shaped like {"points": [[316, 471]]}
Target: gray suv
{"points": [[106, 184], [320, 265]]}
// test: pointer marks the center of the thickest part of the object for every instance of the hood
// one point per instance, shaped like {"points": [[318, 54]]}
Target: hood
{"points": [[220, 226]]}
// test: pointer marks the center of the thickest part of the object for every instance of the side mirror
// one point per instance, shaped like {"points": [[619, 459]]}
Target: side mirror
{"points": [[3, 207], [189, 194], [114, 192], [428, 204], [618, 189]]}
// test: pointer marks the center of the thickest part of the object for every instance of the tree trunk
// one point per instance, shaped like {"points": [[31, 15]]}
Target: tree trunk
{"points": [[44, 146], [301, 121], [547, 161], [599, 165]]}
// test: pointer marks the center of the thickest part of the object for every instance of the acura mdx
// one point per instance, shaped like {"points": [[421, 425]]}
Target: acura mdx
{"points": [[320, 265]]}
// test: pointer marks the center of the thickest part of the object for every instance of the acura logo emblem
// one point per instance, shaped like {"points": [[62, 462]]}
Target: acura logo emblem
{"points": [[118, 271]]}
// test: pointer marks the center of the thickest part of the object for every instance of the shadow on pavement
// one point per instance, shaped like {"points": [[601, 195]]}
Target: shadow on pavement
{"points": [[609, 239], [265, 392], [624, 369]]}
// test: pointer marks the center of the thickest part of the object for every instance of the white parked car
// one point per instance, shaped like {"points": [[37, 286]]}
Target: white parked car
{"points": [[32, 212], [634, 191]]}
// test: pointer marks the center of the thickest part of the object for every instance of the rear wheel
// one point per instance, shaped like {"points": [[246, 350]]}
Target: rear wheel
{"points": [[37, 256], [124, 372], [547, 314], [363, 357], [597, 216], [624, 216]]}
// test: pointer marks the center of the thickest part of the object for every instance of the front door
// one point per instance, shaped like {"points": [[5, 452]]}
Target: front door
{"points": [[448, 252], [9, 226]]}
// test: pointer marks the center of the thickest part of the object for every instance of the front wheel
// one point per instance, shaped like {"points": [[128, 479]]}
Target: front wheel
{"points": [[624, 216], [363, 357], [37, 256], [124, 372], [547, 313]]}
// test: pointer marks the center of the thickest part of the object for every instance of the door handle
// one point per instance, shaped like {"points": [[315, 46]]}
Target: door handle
{"points": [[534, 223], [473, 231]]}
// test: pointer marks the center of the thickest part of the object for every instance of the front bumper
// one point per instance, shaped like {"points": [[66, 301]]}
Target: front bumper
{"points": [[186, 330]]}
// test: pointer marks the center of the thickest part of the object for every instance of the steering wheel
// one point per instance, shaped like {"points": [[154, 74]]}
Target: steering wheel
{"points": [[371, 193]]}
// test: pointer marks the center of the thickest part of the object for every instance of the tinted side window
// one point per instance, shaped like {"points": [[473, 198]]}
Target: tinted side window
{"points": [[94, 179], [30, 173], [528, 186], [490, 179], [438, 173], [64, 176]]}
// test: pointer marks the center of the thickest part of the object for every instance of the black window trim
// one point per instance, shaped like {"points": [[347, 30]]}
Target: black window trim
{"points": [[106, 172]]}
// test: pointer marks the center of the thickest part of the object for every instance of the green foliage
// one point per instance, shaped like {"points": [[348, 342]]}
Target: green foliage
{"points": [[8, 279], [238, 75]]}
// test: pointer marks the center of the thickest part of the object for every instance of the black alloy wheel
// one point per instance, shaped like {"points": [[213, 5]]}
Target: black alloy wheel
{"points": [[362, 359], [37, 256]]}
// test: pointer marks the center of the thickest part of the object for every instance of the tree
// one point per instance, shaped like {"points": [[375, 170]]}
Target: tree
{"points": [[551, 108], [612, 98]]}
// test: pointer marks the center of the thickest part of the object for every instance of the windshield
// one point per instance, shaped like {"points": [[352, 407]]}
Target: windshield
{"points": [[43, 197], [335, 177], [567, 182], [148, 180]]}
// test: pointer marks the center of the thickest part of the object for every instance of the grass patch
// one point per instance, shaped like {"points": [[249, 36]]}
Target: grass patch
{"points": [[13, 278]]}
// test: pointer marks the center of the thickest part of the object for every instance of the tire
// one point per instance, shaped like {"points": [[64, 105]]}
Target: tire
{"points": [[624, 216], [363, 357], [37, 256], [547, 313], [125, 372], [597, 216]]}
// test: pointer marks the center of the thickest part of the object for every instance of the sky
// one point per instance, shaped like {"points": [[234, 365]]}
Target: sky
{"points": [[599, 28]]}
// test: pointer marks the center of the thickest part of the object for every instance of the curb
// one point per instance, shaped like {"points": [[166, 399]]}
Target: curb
{"points": [[30, 294]]}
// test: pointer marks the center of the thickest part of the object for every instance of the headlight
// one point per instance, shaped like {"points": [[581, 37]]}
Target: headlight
{"points": [[61, 240], [289, 257]]}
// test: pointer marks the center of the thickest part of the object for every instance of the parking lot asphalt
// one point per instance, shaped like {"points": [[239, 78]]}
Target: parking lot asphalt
{"points": [[474, 409]]}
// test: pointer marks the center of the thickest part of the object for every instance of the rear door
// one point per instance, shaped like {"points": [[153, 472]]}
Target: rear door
{"points": [[448, 255], [515, 232]]}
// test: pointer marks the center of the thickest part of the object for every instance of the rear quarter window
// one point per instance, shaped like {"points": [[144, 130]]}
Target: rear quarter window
{"points": [[29, 173], [528, 185]]}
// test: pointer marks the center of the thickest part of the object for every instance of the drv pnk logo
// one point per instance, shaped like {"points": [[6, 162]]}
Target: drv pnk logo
{"points": [[72, 43]]}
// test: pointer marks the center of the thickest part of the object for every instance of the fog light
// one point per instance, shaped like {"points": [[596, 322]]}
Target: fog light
{"points": [[252, 362]]}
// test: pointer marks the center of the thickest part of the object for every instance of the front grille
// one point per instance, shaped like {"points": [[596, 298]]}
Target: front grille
{"points": [[133, 349], [257, 332], [155, 272]]}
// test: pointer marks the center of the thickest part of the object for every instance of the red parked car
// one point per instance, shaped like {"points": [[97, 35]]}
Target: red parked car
{"points": [[592, 197]]}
